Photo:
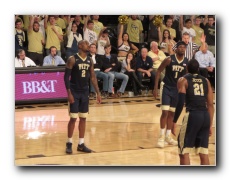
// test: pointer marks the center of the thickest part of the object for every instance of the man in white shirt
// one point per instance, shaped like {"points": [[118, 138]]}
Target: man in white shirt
{"points": [[89, 34], [22, 61]]}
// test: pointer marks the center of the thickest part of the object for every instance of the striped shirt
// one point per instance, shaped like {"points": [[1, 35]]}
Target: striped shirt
{"points": [[191, 48]]}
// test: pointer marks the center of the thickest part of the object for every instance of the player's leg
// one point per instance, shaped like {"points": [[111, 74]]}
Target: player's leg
{"points": [[83, 113], [204, 159], [184, 159]]}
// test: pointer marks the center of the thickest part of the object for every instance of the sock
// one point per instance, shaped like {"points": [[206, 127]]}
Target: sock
{"points": [[69, 140], [162, 132], [81, 140], [168, 132]]}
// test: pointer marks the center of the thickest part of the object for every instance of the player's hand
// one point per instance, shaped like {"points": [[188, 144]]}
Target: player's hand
{"points": [[70, 98], [155, 93], [210, 131], [99, 99], [173, 130]]}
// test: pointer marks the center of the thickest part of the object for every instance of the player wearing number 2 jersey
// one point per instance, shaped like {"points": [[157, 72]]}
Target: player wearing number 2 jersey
{"points": [[175, 67], [197, 123], [79, 69]]}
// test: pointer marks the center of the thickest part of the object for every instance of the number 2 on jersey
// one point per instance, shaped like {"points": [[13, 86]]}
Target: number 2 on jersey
{"points": [[83, 73]]}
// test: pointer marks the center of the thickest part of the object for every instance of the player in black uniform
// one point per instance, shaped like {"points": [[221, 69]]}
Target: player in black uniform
{"points": [[175, 67], [79, 68], [197, 123]]}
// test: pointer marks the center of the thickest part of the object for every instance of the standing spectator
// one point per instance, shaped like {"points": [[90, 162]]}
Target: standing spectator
{"points": [[124, 45], [97, 61], [89, 34], [187, 28], [54, 34], [36, 42], [73, 37], [175, 67], [168, 25], [154, 32], [19, 36], [197, 123], [61, 23], [145, 67], [21, 60], [199, 31], [53, 59], [102, 41], [98, 26], [134, 29], [80, 25], [210, 32], [111, 67]]}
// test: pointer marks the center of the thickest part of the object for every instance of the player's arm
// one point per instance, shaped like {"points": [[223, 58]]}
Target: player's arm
{"points": [[163, 65], [182, 85], [210, 105], [69, 65], [93, 79]]}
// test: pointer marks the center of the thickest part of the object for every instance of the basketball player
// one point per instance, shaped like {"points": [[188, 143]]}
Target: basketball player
{"points": [[79, 68], [175, 67], [197, 124]]}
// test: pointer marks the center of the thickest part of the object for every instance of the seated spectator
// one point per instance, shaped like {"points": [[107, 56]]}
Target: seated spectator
{"points": [[167, 43], [206, 64], [53, 59], [168, 25], [157, 57], [97, 61], [111, 67], [22, 61], [129, 68], [145, 67], [73, 38]]}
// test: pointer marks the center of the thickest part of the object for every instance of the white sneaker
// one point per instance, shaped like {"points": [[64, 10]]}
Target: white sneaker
{"points": [[170, 141], [161, 141]]}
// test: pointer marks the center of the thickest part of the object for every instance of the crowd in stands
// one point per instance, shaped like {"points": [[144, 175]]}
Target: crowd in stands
{"points": [[141, 44]]}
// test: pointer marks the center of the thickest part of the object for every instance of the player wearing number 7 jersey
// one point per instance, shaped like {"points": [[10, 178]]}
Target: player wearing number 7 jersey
{"points": [[197, 123], [79, 70], [175, 67]]}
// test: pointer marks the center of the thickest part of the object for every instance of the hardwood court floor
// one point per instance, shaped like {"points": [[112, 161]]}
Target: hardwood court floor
{"points": [[122, 132]]}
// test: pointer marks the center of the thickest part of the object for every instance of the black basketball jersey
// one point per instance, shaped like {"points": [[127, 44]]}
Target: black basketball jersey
{"points": [[174, 71], [196, 93], [81, 73]]}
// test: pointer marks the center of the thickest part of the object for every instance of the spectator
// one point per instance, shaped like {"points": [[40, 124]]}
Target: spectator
{"points": [[89, 34], [73, 38], [199, 31], [167, 43], [19, 36], [98, 26], [154, 32], [54, 34], [103, 40], [97, 61], [36, 42], [21, 60], [134, 29], [187, 28], [145, 67], [53, 59], [111, 67], [124, 45], [168, 25], [80, 25]]}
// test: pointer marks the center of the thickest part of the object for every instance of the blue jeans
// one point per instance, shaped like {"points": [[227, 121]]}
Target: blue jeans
{"points": [[104, 77], [117, 75]]}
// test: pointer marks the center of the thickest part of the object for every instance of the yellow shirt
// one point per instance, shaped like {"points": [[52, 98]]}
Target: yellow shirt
{"points": [[61, 23], [161, 56], [52, 38], [134, 28], [171, 30], [35, 41], [199, 31], [98, 26]]}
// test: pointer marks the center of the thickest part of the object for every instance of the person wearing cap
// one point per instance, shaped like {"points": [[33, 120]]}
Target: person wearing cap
{"points": [[175, 67], [191, 47]]}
